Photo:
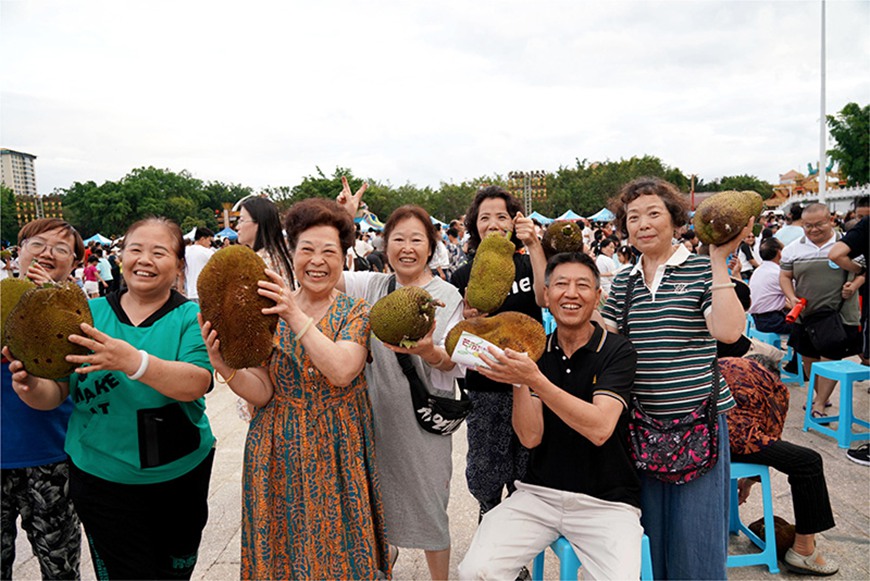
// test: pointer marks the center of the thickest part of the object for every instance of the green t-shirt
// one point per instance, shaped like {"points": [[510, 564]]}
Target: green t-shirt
{"points": [[125, 431]]}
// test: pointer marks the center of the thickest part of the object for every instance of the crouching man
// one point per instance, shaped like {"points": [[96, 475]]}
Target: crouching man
{"points": [[570, 410]]}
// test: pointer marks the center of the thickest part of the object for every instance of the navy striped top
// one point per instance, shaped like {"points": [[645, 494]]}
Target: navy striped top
{"points": [[668, 328]]}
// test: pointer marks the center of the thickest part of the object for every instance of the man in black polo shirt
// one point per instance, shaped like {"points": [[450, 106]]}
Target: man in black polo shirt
{"points": [[569, 409]]}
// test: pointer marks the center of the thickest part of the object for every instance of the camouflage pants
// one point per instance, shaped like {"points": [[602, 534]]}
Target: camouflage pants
{"points": [[40, 495]]}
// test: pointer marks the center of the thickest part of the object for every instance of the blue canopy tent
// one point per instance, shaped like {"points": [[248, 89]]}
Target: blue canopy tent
{"points": [[369, 222], [602, 215], [227, 233], [99, 238], [540, 218], [436, 222], [570, 215]]}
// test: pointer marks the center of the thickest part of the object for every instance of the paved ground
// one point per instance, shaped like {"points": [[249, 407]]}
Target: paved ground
{"points": [[849, 486]]}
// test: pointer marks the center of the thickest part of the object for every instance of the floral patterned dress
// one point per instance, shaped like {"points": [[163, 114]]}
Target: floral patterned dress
{"points": [[311, 504]]}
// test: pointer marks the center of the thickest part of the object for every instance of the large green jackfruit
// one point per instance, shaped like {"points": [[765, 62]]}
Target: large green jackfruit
{"points": [[38, 329], [404, 316], [508, 330], [228, 298], [492, 274], [562, 236], [11, 291], [722, 216]]}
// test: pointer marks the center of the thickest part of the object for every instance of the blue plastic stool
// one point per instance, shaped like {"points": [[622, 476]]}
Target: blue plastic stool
{"points": [[775, 339], [767, 556], [569, 564], [750, 323], [846, 372]]}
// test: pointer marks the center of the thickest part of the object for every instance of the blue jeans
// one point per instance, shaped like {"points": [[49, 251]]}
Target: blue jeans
{"points": [[687, 525]]}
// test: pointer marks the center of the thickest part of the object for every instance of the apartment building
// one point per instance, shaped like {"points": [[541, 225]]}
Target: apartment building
{"points": [[17, 172]]}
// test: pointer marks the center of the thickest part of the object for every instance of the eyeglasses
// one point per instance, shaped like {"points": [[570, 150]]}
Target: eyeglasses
{"points": [[37, 245], [243, 221], [816, 226]]}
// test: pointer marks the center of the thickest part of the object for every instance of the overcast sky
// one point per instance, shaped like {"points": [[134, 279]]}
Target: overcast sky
{"points": [[259, 93]]}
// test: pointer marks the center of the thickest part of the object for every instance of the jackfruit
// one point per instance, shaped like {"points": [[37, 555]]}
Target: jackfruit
{"points": [[404, 316], [11, 291], [722, 216], [38, 329], [562, 236], [228, 298], [492, 274], [508, 330]]}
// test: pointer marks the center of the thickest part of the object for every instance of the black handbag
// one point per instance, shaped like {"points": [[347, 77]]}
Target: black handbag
{"points": [[826, 330], [673, 451], [435, 414]]}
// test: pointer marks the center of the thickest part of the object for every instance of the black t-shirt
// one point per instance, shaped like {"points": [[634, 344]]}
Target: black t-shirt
{"points": [[566, 460], [858, 241], [521, 299]]}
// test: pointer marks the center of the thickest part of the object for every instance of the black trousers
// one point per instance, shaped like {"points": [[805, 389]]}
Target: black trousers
{"points": [[143, 531], [806, 476]]}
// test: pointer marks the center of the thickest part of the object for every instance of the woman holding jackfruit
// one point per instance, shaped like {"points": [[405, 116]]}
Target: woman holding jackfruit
{"points": [[33, 467], [139, 442], [410, 458], [495, 456], [673, 306], [311, 500]]}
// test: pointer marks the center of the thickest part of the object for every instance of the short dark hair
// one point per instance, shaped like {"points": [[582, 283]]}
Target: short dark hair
{"points": [[768, 249], [412, 211], [674, 201], [452, 231], [795, 211], [572, 258], [513, 207], [172, 227], [318, 212], [42, 225], [862, 202], [203, 233]]}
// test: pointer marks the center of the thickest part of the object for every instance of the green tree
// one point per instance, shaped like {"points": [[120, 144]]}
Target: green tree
{"points": [[851, 130], [8, 215], [746, 182]]}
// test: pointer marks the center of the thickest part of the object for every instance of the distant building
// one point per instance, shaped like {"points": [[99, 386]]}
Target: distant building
{"points": [[17, 172]]}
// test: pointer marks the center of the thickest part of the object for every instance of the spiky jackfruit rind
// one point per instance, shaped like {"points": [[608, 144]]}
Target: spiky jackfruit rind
{"points": [[404, 316], [562, 236], [492, 274], [721, 217], [38, 329], [228, 298], [508, 330], [11, 291]]}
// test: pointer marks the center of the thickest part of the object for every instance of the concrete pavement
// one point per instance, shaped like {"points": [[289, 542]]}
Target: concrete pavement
{"points": [[848, 483]]}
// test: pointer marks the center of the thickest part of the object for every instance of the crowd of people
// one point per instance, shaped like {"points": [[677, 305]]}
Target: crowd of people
{"points": [[338, 473]]}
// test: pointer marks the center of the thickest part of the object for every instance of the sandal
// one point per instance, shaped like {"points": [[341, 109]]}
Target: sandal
{"points": [[818, 414], [807, 564]]}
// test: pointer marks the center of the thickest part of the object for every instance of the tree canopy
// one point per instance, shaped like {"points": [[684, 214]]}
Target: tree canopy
{"points": [[109, 208], [850, 128]]}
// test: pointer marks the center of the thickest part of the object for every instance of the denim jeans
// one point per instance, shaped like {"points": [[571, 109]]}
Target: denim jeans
{"points": [[687, 525]]}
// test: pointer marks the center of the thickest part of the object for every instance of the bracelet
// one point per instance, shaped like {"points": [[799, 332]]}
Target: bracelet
{"points": [[722, 285], [143, 365], [228, 379], [305, 328]]}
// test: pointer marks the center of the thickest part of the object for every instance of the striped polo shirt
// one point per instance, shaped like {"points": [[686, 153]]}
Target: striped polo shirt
{"points": [[668, 328]]}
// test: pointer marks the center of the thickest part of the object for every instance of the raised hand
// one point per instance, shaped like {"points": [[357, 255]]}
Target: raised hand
{"points": [[525, 229], [350, 202]]}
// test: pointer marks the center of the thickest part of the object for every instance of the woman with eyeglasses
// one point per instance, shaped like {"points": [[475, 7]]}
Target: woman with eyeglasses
{"points": [[33, 464], [259, 228], [140, 445]]}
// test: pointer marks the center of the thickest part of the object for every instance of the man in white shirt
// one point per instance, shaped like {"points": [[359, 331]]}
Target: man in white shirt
{"points": [[768, 300], [794, 229], [195, 257], [606, 267]]}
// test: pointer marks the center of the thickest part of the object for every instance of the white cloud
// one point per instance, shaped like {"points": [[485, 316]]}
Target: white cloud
{"points": [[260, 93]]}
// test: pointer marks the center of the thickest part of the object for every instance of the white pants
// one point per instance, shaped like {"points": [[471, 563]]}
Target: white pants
{"points": [[605, 535]]}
